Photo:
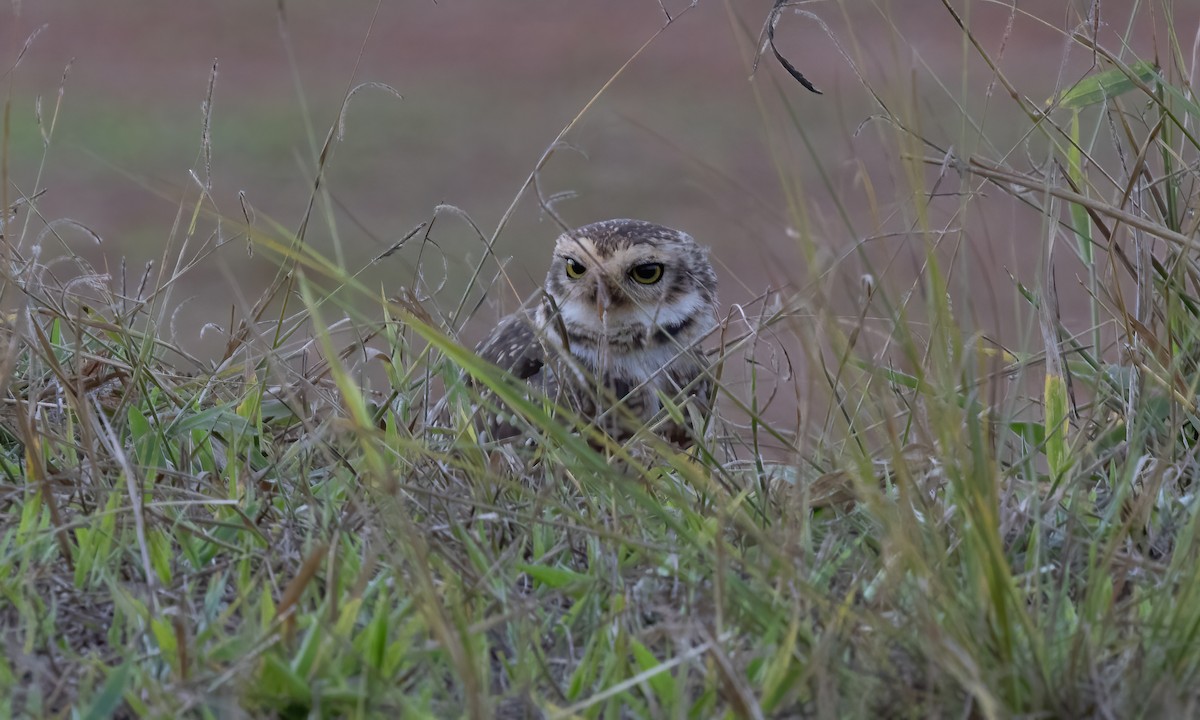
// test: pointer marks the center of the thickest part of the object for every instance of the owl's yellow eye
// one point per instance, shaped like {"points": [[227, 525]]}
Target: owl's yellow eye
{"points": [[647, 273], [575, 269]]}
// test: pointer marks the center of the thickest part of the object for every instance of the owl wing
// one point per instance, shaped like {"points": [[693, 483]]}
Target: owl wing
{"points": [[515, 347], [690, 378]]}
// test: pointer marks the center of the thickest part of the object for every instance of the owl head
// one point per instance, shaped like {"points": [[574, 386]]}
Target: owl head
{"points": [[632, 286]]}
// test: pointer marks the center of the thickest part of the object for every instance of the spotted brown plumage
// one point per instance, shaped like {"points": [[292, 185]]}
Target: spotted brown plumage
{"points": [[625, 306]]}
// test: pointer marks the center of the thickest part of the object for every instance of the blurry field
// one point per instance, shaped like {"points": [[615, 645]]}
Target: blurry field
{"points": [[683, 138], [953, 474], [679, 138]]}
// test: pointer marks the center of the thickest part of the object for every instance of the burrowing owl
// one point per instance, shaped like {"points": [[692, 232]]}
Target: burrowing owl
{"points": [[625, 306]]}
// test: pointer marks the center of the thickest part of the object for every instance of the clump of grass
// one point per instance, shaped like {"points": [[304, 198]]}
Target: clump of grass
{"points": [[955, 528]]}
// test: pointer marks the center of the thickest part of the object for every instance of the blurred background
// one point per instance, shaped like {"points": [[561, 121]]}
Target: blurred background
{"points": [[782, 183]]}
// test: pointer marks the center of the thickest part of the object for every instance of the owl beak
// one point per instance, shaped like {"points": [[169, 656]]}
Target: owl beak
{"points": [[603, 297]]}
